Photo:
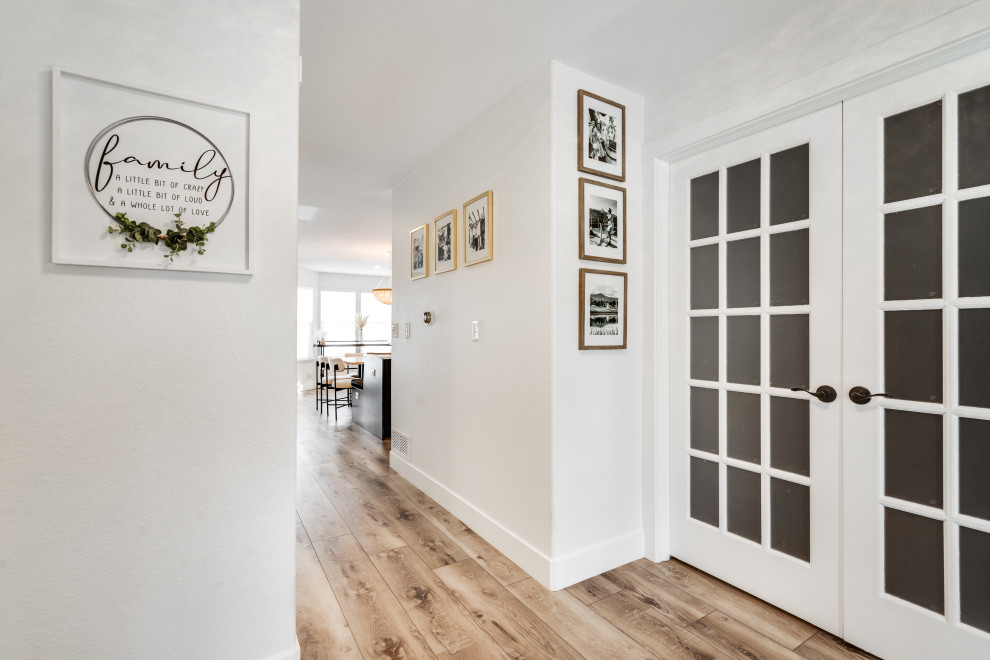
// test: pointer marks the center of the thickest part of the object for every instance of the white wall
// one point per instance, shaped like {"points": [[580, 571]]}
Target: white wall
{"points": [[823, 35], [307, 277], [147, 419], [532, 442], [478, 414], [347, 282], [596, 395]]}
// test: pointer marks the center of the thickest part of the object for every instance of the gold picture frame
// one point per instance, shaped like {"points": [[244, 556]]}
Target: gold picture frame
{"points": [[445, 242], [419, 252], [479, 238], [602, 147]]}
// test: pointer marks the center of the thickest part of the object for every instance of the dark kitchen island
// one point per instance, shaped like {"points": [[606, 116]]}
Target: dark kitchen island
{"points": [[372, 401]]}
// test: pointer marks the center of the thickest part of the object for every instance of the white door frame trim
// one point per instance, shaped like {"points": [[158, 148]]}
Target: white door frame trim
{"points": [[925, 47]]}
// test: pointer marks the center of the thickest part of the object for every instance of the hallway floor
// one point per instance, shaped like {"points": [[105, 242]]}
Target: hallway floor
{"points": [[383, 571]]}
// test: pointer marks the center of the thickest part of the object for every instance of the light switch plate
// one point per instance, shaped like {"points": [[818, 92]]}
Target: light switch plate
{"points": [[408, 330], [395, 331], [475, 330]]}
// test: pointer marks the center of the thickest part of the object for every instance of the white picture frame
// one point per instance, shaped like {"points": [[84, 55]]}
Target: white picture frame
{"points": [[164, 154]]}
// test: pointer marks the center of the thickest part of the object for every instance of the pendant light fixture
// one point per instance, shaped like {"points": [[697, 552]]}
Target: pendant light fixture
{"points": [[385, 295]]}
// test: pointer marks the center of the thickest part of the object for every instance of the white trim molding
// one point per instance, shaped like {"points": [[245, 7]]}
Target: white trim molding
{"points": [[292, 654], [554, 574]]}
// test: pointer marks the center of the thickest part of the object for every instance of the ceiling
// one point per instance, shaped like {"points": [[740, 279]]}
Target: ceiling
{"points": [[385, 82]]}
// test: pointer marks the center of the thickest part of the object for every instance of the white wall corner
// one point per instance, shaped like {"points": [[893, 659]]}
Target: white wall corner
{"points": [[656, 464], [594, 560], [528, 558], [596, 456], [292, 654]]}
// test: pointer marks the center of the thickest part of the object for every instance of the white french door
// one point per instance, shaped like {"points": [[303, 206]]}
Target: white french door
{"points": [[754, 476], [851, 249], [917, 329]]}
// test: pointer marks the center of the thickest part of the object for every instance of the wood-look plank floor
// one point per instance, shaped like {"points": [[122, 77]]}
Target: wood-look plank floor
{"points": [[383, 571]]}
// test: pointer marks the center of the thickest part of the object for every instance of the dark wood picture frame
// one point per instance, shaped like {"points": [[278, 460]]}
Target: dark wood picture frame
{"points": [[612, 228], [602, 147], [592, 283]]}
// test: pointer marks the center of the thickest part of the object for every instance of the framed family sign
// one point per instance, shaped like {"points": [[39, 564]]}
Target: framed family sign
{"points": [[419, 253], [445, 242], [603, 317], [142, 179], [601, 136], [601, 221], [478, 225]]}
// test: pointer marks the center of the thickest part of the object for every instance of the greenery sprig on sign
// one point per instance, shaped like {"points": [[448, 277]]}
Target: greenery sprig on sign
{"points": [[176, 240]]}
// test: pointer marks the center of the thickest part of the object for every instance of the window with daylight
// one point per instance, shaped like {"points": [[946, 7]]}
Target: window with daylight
{"points": [[337, 311], [379, 326], [304, 322]]}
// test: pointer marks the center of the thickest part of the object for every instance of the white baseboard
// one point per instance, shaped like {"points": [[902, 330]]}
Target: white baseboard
{"points": [[589, 562], [293, 654], [554, 574], [522, 553]]}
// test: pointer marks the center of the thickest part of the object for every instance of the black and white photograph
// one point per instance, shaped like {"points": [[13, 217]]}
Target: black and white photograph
{"points": [[601, 136], [418, 253], [445, 242], [478, 225], [602, 222], [602, 309]]}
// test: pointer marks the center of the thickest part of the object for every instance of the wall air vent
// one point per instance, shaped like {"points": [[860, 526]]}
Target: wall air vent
{"points": [[400, 444]]}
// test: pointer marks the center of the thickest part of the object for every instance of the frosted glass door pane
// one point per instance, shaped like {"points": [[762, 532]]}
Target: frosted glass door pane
{"points": [[789, 185], [789, 268], [704, 348], [743, 350], [704, 491], [743, 502], [913, 457], [743, 426], [974, 241], [704, 206], [974, 468], [704, 277], [743, 196], [790, 518], [743, 273], [789, 351], [912, 254], [912, 153], [704, 419], [913, 559], [974, 357], [913, 355], [974, 578], [790, 435], [974, 138]]}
